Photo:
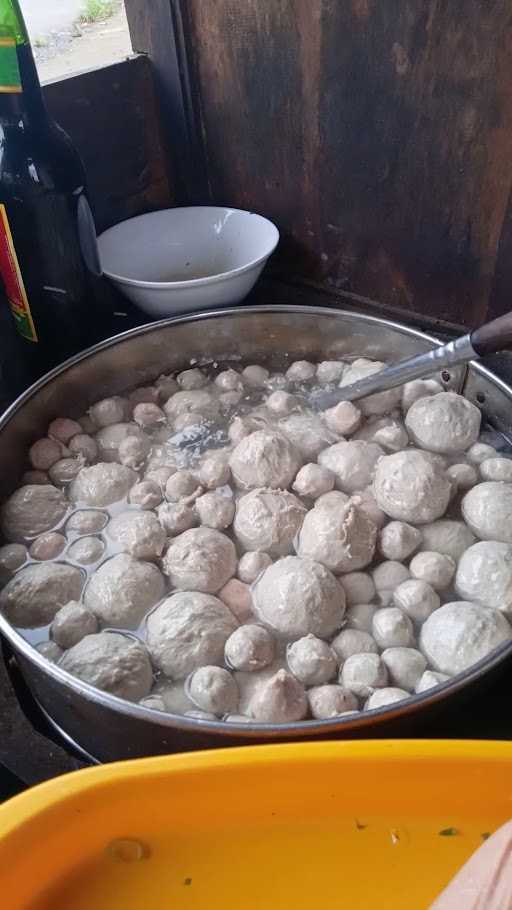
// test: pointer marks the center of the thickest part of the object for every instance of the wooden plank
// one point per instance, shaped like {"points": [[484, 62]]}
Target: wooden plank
{"points": [[111, 116]]}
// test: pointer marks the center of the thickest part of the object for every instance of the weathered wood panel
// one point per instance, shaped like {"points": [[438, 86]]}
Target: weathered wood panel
{"points": [[378, 135]]}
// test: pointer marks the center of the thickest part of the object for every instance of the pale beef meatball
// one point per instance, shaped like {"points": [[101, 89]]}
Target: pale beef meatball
{"points": [[417, 599], [352, 463], [229, 381], [487, 509], [301, 371], [48, 546], [108, 412], [237, 596], [255, 375], [359, 588], [383, 697], [311, 660], [72, 623], [387, 577], [443, 423], [148, 394], [360, 616], [133, 451], [250, 648], [44, 453], [497, 469], [122, 590], [182, 485], [387, 432], [12, 557], [353, 641], [337, 534], [138, 533], [102, 484], [177, 517], [429, 680], [461, 633], [264, 459], [87, 425], [112, 662], [200, 560], [326, 702], [361, 674], [381, 402], [365, 502], [87, 521], [434, 568], [412, 486], [484, 575], [147, 494], [215, 510], [251, 565], [63, 429], [330, 371], [214, 471], [65, 470], [241, 427], [405, 667], [50, 650], [213, 690], [313, 481], [148, 414], [344, 418], [191, 379], [449, 537], [462, 476], [398, 540], [479, 452], [166, 386], [86, 550], [31, 511], [392, 629], [308, 433], [268, 521], [35, 594], [187, 631], [110, 438], [198, 402], [35, 477], [418, 388], [297, 596], [248, 683], [280, 700], [84, 445]]}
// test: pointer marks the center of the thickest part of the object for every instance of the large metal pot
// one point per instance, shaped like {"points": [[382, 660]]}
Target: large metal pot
{"points": [[106, 727]]}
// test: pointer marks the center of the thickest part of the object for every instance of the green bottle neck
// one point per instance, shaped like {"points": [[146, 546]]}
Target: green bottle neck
{"points": [[12, 24], [21, 98]]}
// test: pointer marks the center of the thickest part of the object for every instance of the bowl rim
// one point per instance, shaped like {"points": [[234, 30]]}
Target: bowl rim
{"points": [[191, 282]]}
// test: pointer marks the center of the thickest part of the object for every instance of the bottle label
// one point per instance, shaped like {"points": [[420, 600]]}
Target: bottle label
{"points": [[13, 281], [10, 76]]}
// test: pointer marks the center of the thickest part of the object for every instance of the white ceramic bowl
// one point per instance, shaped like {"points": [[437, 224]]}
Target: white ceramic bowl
{"points": [[186, 259]]}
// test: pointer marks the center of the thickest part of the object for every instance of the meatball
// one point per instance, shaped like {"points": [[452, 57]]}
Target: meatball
{"points": [[65, 470], [313, 481], [391, 435], [337, 534], [63, 429], [330, 371], [281, 403], [122, 590], [360, 616], [214, 471], [326, 702], [344, 418], [35, 594], [147, 494], [229, 381], [398, 540], [417, 599], [182, 485], [462, 476], [479, 452], [133, 451], [412, 486], [301, 371], [359, 588], [308, 433], [214, 690], [484, 575], [361, 674], [250, 648], [353, 641], [108, 412], [48, 546], [251, 565], [297, 596], [200, 560], [12, 557], [268, 521], [215, 510], [143, 395], [383, 697], [381, 402], [487, 509], [405, 667], [255, 375], [50, 650], [386, 578], [365, 501], [112, 662], [418, 388], [434, 568], [461, 633], [44, 453], [109, 439], [451, 538], [166, 386], [241, 427], [87, 521], [443, 423], [352, 463], [280, 700], [198, 402], [192, 379], [148, 414], [86, 550], [497, 469], [264, 459], [392, 629], [138, 533], [102, 484], [187, 631], [84, 445], [35, 477], [31, 511], [72, 623], [177, 517], [429, 680], [312, 661], [237, 596]]}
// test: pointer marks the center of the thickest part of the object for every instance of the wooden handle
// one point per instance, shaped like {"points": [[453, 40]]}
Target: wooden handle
{"points": [[493, 336]]}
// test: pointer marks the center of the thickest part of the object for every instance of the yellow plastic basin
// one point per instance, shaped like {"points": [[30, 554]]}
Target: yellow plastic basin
{"points": [[322, 825]]}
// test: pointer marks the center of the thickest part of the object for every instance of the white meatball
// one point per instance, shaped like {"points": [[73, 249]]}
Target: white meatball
{"points": [[199, 402], [301, 371], [443, 423], [87, 425], [144, 395], [166, 386], [313, 481], [311, 660], [72, 623], [360, 616], [138, 533], [264, 459], [31, 510], [381, 402], [412, 486], [388, 432], [280, 700], [365, 502], [405, 667], [268, 521], [44, 453], [359, 588], [418, 388], [87, 521], [48, 546], [229, 400], [387, 696], [250, 648], [187, 631], [255, 375], [182, 485], [200, 560], [296, 596], [429, 680], [66, 469], [417, 599], [361, 674], [191, 379], [34, 477], [109, 439], [147, 414], [12, 557], [84, 445], [330, 370], [434, 568], [462, 476], [215, 471], [229, 381], [147, 494], [159, 475], [215, 510], [86, 550], [133, 451], [449, 537], [237, 596], [461, 633], [102, 484], [344, 418], [50, 650], [487, 509], [214, 690], [35, 594], [352, 463], [241, 427], [251, 565], [386, 578], [353, 641], [108, 412], [392, 629], [63, 429], [177, 517], [484, 575], [498, 469], [326, 702], [307, 433], [122, 590], [337, 534], [398, 540], [479, 452], [112, 662]]}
